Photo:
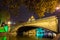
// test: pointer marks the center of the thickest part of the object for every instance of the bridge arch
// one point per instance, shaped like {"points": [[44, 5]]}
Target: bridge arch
{"points": [[25, 29]]}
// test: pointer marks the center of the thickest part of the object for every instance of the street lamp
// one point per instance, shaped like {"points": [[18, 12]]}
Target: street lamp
{"points": [[58, 7], [9, 22]]}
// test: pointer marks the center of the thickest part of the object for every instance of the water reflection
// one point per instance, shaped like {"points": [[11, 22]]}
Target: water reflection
{"points": [[10, 37], [3, 38]]}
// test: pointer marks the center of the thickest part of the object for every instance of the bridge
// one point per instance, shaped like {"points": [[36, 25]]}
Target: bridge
{"points": [[50, 23]]}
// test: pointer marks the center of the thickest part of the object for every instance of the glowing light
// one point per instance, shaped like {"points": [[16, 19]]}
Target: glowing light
{"points": [[39, 32], [6, 28], [57, 8], [9, 22], [50, 34], [54, 34]]}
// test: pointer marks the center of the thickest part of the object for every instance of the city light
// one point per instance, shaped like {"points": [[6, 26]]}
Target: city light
{"points": [[57, 8], [9, 22], [54, 34]]}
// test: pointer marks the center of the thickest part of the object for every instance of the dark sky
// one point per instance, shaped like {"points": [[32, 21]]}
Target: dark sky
{"points": [[23, 14]]}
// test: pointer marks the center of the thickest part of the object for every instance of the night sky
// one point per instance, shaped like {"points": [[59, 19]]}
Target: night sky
{"points": [[23, 14]]}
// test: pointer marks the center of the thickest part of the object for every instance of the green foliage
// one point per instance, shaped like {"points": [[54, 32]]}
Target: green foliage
{"points": [[41, 6], [4, 15]]}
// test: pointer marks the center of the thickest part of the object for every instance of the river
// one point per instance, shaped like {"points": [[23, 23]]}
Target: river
{"points": [[10, 37]]}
